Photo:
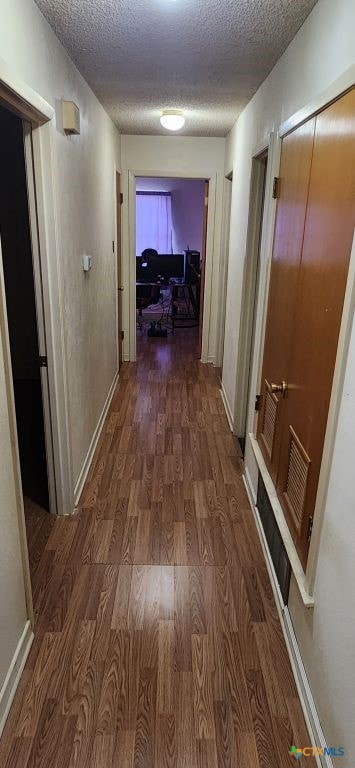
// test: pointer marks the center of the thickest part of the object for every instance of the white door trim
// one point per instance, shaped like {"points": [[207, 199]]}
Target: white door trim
{"points": [[52, 282], [266, 249], [41, 326], [10, 398], [251, 276], [224, 266], [30, 106]]}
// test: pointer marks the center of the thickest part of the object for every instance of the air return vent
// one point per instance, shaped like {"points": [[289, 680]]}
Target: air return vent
{"points": [[269, 419], [297, 478]]}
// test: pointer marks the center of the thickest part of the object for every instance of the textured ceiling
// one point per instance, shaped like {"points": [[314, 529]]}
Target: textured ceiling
{"points": [[206, 57]]}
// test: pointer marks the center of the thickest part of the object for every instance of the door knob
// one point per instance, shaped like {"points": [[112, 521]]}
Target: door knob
{"points": [[279, 388], [121, 288]]}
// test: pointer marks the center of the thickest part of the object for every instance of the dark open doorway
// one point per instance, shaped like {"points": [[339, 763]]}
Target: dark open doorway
{"points": [[19, 289]]}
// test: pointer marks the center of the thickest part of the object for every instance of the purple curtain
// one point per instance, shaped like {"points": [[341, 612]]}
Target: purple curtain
{"points": [[153, 223]]}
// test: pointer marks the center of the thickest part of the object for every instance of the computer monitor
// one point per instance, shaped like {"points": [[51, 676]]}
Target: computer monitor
{"points": [[164, 265], [167, 265], [143, 273]]}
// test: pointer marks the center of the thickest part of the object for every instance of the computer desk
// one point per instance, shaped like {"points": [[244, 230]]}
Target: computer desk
{"points": [[192, 303]]}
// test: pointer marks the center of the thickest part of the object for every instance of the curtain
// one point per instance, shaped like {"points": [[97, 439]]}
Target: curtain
{"points": [[153, 222]]}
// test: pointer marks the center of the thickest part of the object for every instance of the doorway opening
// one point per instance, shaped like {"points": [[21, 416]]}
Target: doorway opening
{"points": [[250, 294], [22, 291], [171, 235]]}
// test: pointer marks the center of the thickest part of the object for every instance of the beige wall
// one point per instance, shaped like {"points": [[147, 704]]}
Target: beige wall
{"points": [[85, 218], [321, 52], [182, 156], [13, 613], [83, 180], [187, 205]]}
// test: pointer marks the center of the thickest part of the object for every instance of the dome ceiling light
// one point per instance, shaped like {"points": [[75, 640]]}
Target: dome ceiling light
{"points": [[172, 119]]}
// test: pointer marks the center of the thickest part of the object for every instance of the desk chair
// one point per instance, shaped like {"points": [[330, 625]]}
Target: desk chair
{"points": [[147, 294], [148, 252]]}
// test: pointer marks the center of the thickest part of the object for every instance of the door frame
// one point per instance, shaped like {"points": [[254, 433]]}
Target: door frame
{"points": [[273, 147], [226, 224], [131, 252], [10, 398], [206, 193], [251, 279], [119, 266], [40, 319], [23, 101], [338, 88]]}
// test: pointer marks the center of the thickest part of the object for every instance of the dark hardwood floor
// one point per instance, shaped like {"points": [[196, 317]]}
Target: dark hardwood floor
{"points": [[157, 642]]}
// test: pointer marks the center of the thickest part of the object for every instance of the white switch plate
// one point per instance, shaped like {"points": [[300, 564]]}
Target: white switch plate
{"points": [[87, 263]]}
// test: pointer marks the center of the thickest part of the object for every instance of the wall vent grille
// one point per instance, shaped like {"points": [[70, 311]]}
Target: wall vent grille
{"points": [[297, 478], [269, 420]]}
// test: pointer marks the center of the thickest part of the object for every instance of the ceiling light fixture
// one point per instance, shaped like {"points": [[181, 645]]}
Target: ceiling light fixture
{"points": [[172, 119]]}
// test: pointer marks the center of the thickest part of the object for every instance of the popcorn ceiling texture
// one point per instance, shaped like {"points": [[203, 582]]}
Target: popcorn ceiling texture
{"points": [[205, 56]]}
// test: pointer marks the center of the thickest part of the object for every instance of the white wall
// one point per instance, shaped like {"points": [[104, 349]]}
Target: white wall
{"points": [[321, 52], [187, 207], [83, 176], [85, 215], [183, 156], [13, 612]]}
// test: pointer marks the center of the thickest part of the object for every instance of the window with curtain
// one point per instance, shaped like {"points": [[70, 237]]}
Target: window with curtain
{"points": [[153, 222]]}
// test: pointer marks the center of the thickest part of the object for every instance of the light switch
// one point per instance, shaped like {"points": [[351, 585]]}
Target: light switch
{"points": [[87, 263]]}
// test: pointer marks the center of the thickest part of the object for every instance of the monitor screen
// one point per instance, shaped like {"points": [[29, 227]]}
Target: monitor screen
{"points": [[143, 273], [167, 265]]}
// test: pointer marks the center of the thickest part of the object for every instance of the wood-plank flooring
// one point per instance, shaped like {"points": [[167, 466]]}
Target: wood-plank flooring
{"points": [[157, 642]]}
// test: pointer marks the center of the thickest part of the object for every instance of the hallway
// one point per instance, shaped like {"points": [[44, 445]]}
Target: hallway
{"points": [[158, 642]]}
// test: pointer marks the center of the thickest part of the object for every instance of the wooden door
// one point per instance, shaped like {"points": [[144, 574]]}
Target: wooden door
{"points": [[328, 236], [313, 238], [295, 168], [203, 268], [120, 335]]}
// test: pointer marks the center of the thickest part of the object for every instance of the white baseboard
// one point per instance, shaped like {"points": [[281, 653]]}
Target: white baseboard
{"points": [[227, 408], [211, 359], [317, 738], [79, 485], [315, 729], [12, 678]]}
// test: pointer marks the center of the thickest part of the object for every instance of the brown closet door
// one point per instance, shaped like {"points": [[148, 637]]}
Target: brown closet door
{"points": [[328, 236], [295, 167]]}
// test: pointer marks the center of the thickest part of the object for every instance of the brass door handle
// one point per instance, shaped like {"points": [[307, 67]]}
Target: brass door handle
{"points": [[279, 388]]}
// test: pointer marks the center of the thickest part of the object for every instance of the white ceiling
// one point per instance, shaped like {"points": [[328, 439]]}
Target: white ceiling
{"points": [[207, 57]]}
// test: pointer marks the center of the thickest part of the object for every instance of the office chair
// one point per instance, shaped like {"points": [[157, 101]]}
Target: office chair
{"points": [[148, 252]]}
